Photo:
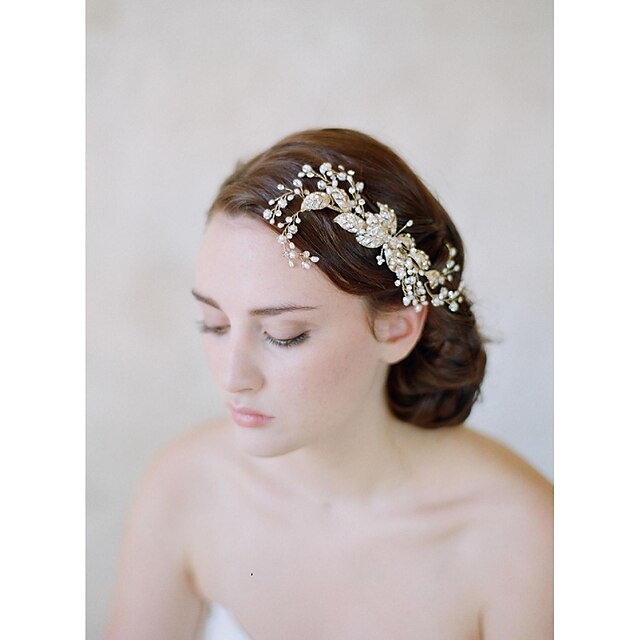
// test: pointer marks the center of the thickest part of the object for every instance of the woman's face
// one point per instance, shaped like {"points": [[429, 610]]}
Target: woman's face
{"points": [[314, 370]]}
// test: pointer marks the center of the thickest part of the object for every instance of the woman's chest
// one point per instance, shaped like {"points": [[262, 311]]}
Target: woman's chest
{"points": [[321, 579]]}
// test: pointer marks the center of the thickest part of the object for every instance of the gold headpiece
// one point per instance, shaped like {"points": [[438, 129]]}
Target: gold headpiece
{"points": [[372, 230]]}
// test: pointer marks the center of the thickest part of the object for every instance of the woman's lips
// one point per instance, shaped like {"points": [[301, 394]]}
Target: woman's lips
{"points": [[247, 418]]}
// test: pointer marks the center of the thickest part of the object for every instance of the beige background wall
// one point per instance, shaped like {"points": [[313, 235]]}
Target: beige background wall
{"points": [[178, 91]]}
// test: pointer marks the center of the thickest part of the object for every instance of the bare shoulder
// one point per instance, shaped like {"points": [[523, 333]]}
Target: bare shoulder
{"points": [[189, 458], [497, 469], [508, 544], [181, 474], [504, 491], [155, 595], [190, 447], [486, 471], [175, 478]]}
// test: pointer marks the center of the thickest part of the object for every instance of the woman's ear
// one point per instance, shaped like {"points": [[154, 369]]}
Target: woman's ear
{"points": [[398, 332]]}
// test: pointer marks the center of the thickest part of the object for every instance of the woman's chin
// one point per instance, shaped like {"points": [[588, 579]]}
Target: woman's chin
{"points": [[262, 444]]}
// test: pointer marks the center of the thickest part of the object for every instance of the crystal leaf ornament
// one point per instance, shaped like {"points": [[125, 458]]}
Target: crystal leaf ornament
{"points": [[412, 267]]}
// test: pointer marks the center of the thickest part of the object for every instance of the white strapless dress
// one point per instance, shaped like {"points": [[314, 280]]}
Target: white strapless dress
{"points": [[221, 625]]}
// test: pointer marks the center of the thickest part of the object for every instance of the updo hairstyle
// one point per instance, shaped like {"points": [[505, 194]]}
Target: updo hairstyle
{"points": [[438, 382]]}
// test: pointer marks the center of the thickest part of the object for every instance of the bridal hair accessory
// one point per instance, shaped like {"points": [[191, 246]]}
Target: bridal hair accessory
{"points": [[411, 266]]}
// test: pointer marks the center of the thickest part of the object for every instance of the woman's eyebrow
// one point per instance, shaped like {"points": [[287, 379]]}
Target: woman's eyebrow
{"points": [[267, 311]]}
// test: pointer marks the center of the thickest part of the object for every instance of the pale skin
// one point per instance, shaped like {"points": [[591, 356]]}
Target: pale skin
{"points": [[336, 521]]}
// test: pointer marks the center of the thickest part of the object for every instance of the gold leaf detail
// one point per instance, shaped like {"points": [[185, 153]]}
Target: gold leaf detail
{"points": [[315, 201], [351, 222], [375, 235], [433, 276], [341, 198], [371, 238], [388, 219]]}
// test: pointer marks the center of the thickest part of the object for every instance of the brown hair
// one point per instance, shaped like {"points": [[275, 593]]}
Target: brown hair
{"points": [[438, 382]]}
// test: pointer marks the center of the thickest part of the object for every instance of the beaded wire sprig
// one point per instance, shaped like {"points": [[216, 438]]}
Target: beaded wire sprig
{"points": [[373, 230]]}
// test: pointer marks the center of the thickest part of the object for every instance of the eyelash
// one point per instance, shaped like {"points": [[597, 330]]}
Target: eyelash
{"points": [[290, 342]]}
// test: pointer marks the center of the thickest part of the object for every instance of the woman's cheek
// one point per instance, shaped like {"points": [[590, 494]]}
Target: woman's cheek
{"points": [[336, 372], [311, 377]]}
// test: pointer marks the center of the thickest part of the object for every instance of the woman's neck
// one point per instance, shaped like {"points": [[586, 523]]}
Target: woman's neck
{"points": [[360, 462]]}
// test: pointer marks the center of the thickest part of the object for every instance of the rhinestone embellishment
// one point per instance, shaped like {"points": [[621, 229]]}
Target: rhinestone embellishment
{"points": [[411, 266]]}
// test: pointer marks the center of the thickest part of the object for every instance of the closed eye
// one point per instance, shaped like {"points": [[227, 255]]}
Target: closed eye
{"points": [[289, 342], [284, 342], [205, 328]]}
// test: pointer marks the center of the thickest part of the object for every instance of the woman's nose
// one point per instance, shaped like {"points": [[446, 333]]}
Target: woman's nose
{"points": [[243, 372]]}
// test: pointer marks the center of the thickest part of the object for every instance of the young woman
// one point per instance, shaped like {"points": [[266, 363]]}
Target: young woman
{"points": [[343, 497]]}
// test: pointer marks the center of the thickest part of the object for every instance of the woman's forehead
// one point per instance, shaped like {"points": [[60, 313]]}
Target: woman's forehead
{"points": [[241, 258]]}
